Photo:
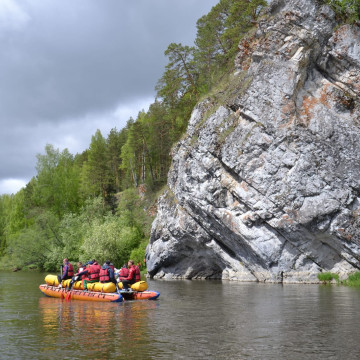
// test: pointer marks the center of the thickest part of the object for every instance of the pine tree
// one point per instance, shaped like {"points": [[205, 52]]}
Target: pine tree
{"points": [[98, 170]]}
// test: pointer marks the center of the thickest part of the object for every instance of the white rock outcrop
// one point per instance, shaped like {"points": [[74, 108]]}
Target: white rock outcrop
{"points": [[267, 187]]}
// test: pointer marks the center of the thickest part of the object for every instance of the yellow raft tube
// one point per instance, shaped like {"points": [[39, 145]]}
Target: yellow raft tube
{"points": [[109, 287]]}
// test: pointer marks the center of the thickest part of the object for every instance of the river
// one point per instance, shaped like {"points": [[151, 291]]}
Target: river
{"points": [[190, 320]]}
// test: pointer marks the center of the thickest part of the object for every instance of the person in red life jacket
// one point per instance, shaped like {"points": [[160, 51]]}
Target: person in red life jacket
{"points": [[107, 273], [89, 275], [124, 272], [80, 267], [111, 265], [76, 277], [137, 273], [83, 272], [95, 270], [92, 273], [67, 271], [131, 278]]}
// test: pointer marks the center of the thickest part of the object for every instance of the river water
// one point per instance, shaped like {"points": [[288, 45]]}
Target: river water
{"points": [[190, 320]]}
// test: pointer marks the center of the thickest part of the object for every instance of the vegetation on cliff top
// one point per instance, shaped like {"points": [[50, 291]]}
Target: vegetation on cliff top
{"points": [[346, 10], [100, 203]]}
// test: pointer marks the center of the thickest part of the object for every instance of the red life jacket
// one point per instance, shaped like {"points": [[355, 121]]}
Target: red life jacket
{"points": [[132, 275], [104, 275], [94, 271], [124, 272], [70, 272], [137, 273]]}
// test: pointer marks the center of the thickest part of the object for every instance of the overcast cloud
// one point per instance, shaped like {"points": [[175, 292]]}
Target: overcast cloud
{"points": [[68, 68]]}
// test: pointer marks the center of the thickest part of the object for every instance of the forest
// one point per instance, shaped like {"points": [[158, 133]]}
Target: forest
{"points": [[101, 203]]}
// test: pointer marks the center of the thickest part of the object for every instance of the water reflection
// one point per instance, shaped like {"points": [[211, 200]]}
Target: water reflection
{"points": [[103, 330]]}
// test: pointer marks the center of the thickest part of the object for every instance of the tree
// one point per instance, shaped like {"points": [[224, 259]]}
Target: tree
{"points": [[57, 182], [180, 77], [97, 170], [128, 159], [115, 142], [2, 226], [162, 133], [110, 240], [346, 10], [138, 254], [35, 245], [211, 48], [206, 51], [241, 17]]}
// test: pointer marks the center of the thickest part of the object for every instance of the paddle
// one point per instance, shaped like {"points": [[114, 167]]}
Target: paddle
{"points": [[61, 273], [69, 292]]}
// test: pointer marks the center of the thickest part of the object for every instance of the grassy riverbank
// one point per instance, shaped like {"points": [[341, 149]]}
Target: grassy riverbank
{"points": [[328, 277], [353, 280]]}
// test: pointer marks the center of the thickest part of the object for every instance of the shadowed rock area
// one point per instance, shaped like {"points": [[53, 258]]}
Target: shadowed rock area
{"points": [[265, 185]]}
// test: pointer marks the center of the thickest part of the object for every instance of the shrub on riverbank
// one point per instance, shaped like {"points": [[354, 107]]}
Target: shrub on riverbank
{"points": [[353, 280], [328, 276], [94, 232]]}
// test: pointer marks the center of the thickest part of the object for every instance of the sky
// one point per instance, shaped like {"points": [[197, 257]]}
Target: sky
{"points": [[68, 68]]}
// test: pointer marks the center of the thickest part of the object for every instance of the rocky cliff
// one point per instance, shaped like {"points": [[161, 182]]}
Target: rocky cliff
{"points": [[265, 185]]}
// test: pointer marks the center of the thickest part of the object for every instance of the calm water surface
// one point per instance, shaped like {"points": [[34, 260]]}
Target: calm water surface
{"points": [[190, 320]]}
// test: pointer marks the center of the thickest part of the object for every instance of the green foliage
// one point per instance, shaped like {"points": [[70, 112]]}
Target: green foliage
{"points": [[110, 240], [242, 15], [219, 33], [328, 276], [180, 76], [36, 244], [346, 10], [138, 254], [114, 142], [2, 227], [57, 182], [353, 280], [96, 174], [12, 218], [135, 153]]}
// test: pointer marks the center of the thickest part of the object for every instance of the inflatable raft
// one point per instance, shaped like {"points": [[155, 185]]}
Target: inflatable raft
{"points": [[64, 293], [96, 291]]}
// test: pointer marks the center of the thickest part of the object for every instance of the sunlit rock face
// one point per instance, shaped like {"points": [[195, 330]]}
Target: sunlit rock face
{"points": [[265, 186]]}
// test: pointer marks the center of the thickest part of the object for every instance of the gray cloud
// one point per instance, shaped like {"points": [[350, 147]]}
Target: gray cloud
{"points": [[65, 67]]}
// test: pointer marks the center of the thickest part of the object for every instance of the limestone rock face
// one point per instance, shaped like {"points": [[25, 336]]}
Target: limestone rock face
{"points": [[265, 186]]}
